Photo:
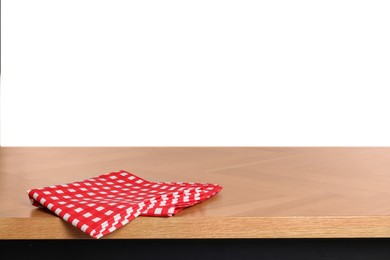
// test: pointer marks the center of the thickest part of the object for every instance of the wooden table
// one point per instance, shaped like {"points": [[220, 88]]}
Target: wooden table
{"points": [[269, 192]]}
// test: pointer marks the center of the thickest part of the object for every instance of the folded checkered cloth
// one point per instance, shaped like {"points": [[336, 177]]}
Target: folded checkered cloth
{"points": [[102, 204]]}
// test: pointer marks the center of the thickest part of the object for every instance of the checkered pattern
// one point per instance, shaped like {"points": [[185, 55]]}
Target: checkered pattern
{"points": [[102, 204]]}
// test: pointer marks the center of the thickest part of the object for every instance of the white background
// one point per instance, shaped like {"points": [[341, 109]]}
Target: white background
{"points": [[195, 73]]}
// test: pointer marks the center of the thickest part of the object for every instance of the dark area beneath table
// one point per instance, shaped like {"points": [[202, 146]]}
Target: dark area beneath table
{"points": [[323, 249]]}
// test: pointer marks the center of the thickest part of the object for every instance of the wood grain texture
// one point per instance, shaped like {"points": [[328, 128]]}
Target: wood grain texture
{"points": [[269, 192], [208, 227]]}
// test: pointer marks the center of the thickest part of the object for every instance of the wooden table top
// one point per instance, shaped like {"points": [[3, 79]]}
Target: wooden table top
{"points": [[268, 192]]}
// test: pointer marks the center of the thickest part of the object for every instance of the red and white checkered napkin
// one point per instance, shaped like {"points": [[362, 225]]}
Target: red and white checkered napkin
{"points": [[102, 204]]}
